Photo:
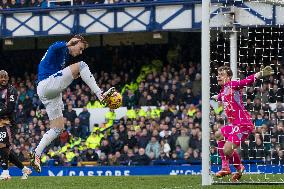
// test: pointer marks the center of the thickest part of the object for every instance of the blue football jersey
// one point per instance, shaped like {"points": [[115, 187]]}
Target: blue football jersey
{"points": [[53, 60]]}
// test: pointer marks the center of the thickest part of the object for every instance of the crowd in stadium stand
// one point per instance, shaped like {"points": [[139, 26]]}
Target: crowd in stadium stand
{"points": [[169, 134], [11, 4]]}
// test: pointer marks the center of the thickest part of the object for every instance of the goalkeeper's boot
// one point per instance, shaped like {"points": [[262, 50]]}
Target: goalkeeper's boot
{"points": [[106, 95], [237, 176], [223, 172], [5, 175], [26, 172], [35, 162]]}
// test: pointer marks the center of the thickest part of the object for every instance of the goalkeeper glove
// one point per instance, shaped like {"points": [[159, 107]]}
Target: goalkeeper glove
{"points": [[267, 71]]}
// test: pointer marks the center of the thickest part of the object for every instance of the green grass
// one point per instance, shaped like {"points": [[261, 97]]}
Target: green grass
{"points": [[132, 182]]}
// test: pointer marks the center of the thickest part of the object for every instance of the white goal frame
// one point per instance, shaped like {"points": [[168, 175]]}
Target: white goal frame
{"points": [[205, 72]]}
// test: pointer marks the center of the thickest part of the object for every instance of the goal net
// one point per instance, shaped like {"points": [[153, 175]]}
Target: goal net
{"points": [[248, 35]]}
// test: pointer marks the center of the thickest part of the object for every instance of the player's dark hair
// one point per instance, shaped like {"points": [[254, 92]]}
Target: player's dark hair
{"points": [[83, 40], [227, 69]]}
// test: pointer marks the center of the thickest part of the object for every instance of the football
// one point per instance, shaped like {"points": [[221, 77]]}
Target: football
{"points": [[115, 100]]}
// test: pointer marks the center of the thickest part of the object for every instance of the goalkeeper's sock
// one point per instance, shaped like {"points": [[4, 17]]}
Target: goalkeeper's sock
{"points": [[236, 160], [47, 138], [225, 159], [89, 79]]}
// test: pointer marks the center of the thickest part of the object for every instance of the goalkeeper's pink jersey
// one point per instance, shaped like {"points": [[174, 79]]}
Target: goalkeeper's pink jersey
{"points": [[231, 97]]}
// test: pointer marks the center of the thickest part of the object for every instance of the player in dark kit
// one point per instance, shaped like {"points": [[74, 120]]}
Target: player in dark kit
{"points": [[8, 97]]}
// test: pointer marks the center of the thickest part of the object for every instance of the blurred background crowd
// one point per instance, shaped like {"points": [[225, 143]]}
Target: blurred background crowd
{"points": [[12, 4], [166, 135]]}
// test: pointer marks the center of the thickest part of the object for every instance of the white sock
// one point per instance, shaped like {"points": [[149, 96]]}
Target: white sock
{"points": [[5, 172], [47, 138], [89, 79]]}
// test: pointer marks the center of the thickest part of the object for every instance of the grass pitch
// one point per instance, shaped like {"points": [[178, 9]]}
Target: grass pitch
{"points": [[131, 182]]}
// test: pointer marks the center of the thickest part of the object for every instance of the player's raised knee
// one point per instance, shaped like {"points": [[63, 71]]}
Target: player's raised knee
{"points": [[82, 65], [77, 68]]}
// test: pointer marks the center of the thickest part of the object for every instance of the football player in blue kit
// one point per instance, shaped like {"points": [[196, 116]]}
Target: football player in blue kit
{"points": [[53, 78]]}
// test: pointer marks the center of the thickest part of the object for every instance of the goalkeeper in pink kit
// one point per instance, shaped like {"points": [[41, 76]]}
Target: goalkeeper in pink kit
{"points": [[240, 124]]}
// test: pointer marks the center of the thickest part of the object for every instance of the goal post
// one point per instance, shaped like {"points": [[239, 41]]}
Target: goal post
{"points": [[234, 52], [205, 69]]}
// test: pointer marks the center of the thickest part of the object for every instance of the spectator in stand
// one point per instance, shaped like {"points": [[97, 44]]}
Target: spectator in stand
{"points": [[180, 152], [196, 157], [167, 113], [33, 3], [20, 114], [105, 147], [259, 121], [143, 138], [102, 159], [27, 105], [273, 94], [41, 4], [84, 117], [183, 140], [131, 139], [70, 114], [14, 4], [165, 147], [143, 99], [23, 4], [116, 143], [141, 158], [4, 4], [94, 140], [76, 128], [129, 99], [64, 138], [196, 87], [153, 147], [194, 141], [122, 134]]}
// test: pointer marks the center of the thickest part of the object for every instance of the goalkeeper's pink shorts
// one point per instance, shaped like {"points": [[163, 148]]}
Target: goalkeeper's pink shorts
{"points": [[236, 134]]}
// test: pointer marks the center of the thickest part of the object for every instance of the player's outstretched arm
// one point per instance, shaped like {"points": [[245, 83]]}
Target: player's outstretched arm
{"points": [[239, 84], [264, 72]]}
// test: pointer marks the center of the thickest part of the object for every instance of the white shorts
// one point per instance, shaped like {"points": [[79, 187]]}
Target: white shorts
{"points": [[50, 90]]}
